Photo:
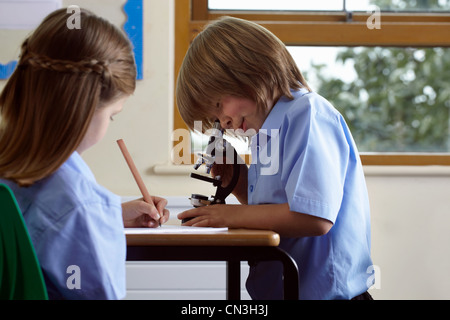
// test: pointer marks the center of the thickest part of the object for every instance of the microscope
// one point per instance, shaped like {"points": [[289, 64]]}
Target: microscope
{"points": [[216, 150]]}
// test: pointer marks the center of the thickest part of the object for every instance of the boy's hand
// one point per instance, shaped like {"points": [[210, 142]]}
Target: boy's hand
{"points": [[218, 215]]}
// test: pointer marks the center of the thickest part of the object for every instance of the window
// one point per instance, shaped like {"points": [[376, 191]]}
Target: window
{"points": [[394, 99], [331, 5], [395, 33]]}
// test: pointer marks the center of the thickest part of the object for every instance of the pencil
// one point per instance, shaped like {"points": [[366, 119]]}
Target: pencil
{"points": [[134, 171]]}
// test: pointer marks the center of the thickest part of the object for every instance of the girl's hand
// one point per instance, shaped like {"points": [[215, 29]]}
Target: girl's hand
{"points": [[218, 215], [138, 213]]}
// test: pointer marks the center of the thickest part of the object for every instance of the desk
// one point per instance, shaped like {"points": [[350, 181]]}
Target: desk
{"points": [[232, 246]]}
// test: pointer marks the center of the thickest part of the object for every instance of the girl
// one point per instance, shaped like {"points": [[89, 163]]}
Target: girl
{"points": [[306, 180], [68, 85]]}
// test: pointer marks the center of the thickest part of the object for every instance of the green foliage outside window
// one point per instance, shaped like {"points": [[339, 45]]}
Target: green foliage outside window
{"points": [[400, 100]]}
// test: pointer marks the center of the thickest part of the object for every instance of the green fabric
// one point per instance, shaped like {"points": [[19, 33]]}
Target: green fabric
{"points": [[20, 274]]}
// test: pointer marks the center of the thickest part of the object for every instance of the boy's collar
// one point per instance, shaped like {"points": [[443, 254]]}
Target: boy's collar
{"points": [[276, 115]]}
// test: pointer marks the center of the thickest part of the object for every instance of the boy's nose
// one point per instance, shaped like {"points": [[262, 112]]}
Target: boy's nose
{"points": [[226, 123]]}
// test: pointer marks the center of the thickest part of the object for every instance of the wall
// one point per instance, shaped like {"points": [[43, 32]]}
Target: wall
{"points": [[410, 206], [410, 231]]}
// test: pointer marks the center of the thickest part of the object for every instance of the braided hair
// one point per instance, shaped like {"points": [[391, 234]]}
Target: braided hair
{"points": [[83, 66], [63, 76]]}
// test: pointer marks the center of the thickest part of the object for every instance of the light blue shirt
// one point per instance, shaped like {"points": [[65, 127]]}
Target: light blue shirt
{"points": [[304, 155], [76, 228]]}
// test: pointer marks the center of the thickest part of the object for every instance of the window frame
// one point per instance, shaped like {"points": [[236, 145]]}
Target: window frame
{"points": [[331, 28]]}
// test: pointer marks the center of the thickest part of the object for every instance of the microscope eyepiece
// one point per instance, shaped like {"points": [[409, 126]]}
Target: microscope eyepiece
{"points": [[217, 125]]}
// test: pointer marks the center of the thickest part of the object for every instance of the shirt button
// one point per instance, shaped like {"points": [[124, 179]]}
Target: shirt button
{"points": [[251, 188]]}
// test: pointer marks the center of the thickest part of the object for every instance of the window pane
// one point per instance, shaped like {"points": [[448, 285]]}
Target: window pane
{"points": [[393, 99], [331, 5], [399, 5], [275, 5]]}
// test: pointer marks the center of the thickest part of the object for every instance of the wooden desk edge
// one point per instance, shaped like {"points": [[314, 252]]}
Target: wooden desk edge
{"points": [[232, 237]]}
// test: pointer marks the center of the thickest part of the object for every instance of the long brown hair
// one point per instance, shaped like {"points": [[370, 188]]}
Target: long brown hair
{"points": [[236, 57], [62, 77]]}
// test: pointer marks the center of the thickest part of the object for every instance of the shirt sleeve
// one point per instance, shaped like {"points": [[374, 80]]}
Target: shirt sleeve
{"points": [[83, 253], [314, 155]]}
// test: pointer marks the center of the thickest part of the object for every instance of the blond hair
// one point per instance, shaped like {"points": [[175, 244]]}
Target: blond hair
{"points": [[62, 77], [235, 57]]}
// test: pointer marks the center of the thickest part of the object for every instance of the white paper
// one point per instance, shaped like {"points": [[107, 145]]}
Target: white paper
{"points": [[174, 229]]}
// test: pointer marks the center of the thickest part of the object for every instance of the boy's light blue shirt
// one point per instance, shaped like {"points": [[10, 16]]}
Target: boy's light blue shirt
{"points": [[304, 155], [76, 228]]}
